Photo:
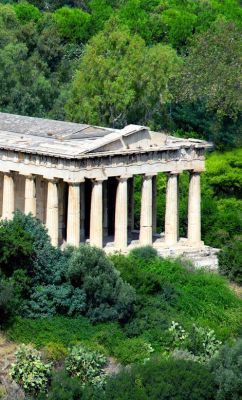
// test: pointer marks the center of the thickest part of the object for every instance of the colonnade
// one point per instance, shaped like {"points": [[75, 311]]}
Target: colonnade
{"points": [[123, 209]]}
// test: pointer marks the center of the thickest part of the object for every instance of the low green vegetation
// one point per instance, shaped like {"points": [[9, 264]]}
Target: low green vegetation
{"points": [[78, 307]]}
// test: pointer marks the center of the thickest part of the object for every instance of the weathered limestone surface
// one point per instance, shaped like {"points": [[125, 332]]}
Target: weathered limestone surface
{"points": [[64, 173], [73, 214], [146, 212], [96, 219], [52, 217], [30, 195], [8, 196], [121, 215], [171, 217]]}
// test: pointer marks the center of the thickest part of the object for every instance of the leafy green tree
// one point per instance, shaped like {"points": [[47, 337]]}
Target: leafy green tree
{"points": [[212, 72], [120, 81], [73, 24], [26, 12]]}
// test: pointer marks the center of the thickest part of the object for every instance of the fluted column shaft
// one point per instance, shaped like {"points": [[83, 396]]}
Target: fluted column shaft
{"points": [[8, 196], [121, 214], [96, 217], [52, 212], [145, 237], [194, 208], [30, 195], [172, 212], [73, 214]]}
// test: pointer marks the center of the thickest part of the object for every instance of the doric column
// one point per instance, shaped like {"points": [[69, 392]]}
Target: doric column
{"points": [[154, 204], [105, 208], [145, 236], [194, 209], [52, 217], [96, 217], [172, 212], [121, 214], [30, 195], [8, 196], [73, 214], [131, 204]]}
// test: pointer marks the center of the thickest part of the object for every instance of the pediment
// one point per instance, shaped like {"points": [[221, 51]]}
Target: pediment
{"points": [[131, 137]]}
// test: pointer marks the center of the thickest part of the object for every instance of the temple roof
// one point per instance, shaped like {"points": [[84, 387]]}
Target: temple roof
{"points": [[72, 140]]}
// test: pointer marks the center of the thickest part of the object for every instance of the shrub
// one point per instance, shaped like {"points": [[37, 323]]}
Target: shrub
{"points": [[51, 300], [108, 297], [199, 342], [230, 261], [133, 350], [227, 371], [29, 371], [87, 365], [146, 253], [63, 387], [55, 351], [8, 301], [16, 246], [32, 250], [162, 379]]}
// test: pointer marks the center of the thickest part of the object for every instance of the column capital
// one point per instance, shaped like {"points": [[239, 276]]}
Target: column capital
{"points": [[52, 180], [99, 180], [27, 175], [174, 172], [197, 170], [123, 177], [71, 183], [151, 175]]}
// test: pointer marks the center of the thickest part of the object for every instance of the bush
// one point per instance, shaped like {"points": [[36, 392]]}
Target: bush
{"points": [[16, 246], [87, 365], [108, 297], [146, 253], [50, 300], [8, 301], [201, 343], [55, 351], [160, 379], [227, 372], [230, 261], [63, 387], [29, 371], [134, 350]]}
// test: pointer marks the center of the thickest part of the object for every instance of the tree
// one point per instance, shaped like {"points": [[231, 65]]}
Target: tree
{"points": [[120, 80], [73, 24], [212, 71]]}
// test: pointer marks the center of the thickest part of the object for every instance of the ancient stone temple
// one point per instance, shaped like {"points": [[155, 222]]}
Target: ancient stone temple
{"points": [[79, 181]]}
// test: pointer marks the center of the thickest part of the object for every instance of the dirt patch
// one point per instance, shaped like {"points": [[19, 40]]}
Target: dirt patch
{"points": [[236, 288], [8, 389]]}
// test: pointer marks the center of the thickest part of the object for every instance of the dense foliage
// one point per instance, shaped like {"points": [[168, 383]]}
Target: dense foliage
{"points": [[74, 282], [172, 65], [167, 64], [156, 379]]}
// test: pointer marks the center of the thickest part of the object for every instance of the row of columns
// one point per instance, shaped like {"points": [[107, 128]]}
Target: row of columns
{"points": [[98, 218]]}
